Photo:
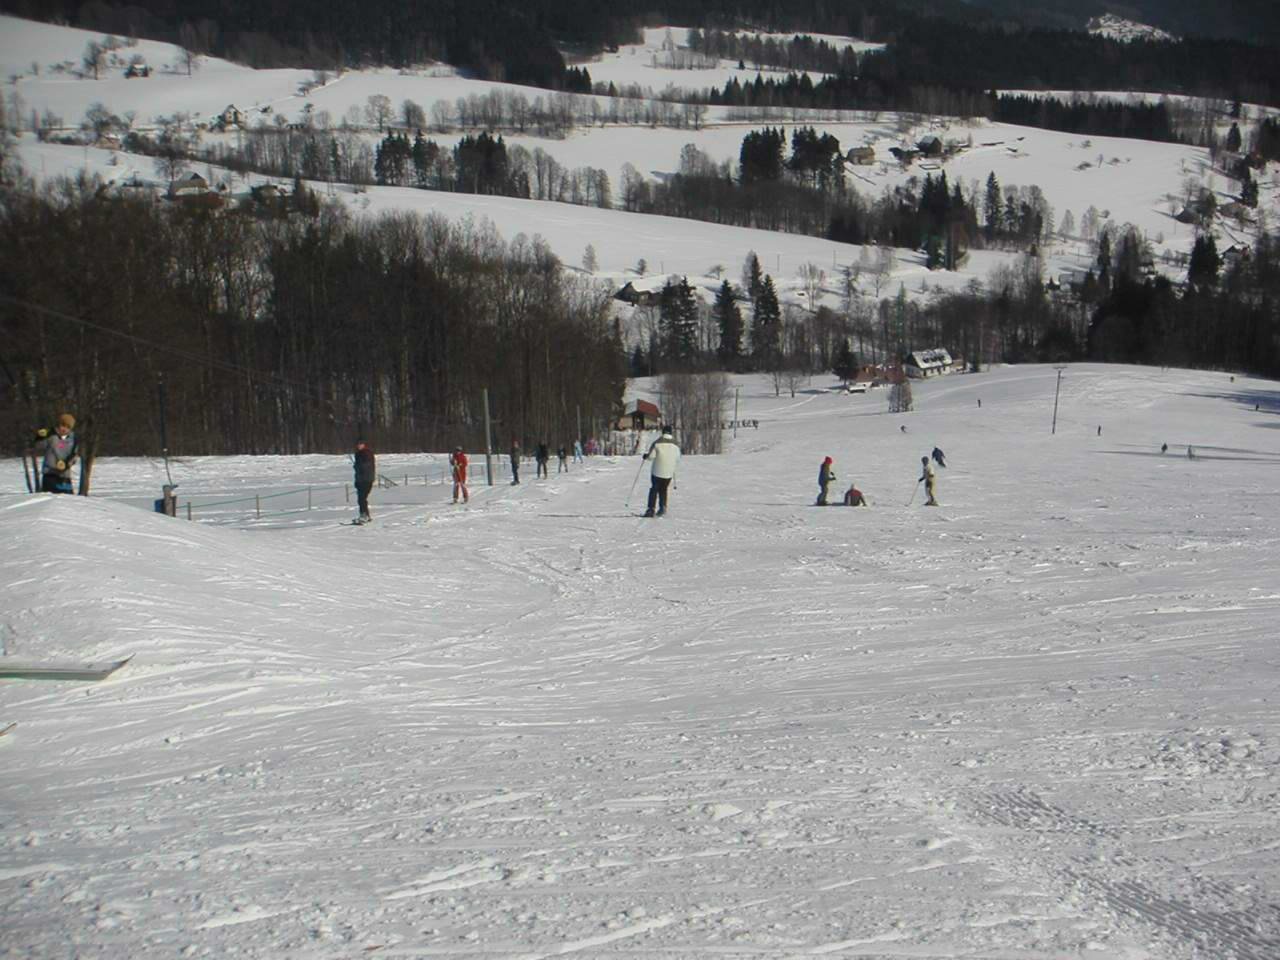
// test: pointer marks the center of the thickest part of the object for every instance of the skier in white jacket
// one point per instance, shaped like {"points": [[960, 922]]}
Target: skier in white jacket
{"points": [[665, 454]]}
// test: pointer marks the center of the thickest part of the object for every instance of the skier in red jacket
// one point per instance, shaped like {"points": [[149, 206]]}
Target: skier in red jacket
{"points": [[458, 461]]}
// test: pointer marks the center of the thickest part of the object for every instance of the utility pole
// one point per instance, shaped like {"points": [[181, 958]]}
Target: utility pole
{"points": [[488, 439], [1057, 388]]}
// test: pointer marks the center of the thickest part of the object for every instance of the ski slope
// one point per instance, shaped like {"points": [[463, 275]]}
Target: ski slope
{"points": [[1038, 722]]}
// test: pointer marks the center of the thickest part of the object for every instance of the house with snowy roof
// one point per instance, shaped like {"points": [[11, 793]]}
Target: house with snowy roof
{"points": [[922, 364]]}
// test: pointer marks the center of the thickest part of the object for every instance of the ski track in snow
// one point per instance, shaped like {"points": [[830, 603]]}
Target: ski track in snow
{"points": [[1038, 722]]}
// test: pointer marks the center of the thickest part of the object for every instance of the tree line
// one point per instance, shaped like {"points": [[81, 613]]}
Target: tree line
{"points": [[289, 334]]}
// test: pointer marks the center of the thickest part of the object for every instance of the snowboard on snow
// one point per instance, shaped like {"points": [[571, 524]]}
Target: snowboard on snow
{"points": [[17, 670]]}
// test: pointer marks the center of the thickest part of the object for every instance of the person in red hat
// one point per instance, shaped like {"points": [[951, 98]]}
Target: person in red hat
{"points": [[825, 476], [458, 461]]}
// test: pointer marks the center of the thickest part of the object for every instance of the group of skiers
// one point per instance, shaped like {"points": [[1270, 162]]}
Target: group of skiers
{"points": [[853, 497], [365, 468], [58, 452], [541, 457]]}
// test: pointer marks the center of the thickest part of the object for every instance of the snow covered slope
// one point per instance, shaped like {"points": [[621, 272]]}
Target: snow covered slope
{"points": [[1036, 722]]}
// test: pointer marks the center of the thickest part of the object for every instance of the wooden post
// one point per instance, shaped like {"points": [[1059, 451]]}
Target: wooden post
{"points": [[308, 498], [346, 492], [188, 509], [257, 505]]}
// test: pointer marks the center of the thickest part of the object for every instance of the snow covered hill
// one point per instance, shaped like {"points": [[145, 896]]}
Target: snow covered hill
{"points": [[1035, 722], [1118, 28]]}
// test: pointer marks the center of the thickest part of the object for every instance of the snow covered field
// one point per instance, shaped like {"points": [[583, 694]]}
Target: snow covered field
{"points": [[1039, 722], [1125, 181]]}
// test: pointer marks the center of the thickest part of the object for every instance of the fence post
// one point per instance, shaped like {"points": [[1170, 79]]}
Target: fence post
{"points": [[257, 505], [346, 492], [308, 498], [188, 509]]}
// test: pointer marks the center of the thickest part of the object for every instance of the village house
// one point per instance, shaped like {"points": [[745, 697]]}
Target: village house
{"points": [[639, 298], [231, 117], [930, 146], [641, 415], [192, 185], [922, 364]]}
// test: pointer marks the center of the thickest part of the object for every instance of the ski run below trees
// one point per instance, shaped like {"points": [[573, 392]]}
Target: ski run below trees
{"points": [[1036, 722]]}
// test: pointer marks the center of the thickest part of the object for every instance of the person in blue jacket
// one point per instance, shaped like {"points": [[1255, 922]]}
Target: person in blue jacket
{"points": [[825, 476]]}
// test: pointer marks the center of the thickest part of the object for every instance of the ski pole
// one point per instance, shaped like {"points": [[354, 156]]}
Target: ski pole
{"points": [[914, 490], [627, 504]]}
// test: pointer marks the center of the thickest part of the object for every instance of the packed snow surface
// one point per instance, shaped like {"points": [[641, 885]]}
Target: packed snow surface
{"points": [[1037, 722]]}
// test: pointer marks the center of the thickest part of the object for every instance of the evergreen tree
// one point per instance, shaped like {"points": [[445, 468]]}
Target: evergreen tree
{"points": [[1234, 138], [729, 321], [752, 275], [993, 208], [678, 321], [1205, 263], [846, 363], [766, 327]]}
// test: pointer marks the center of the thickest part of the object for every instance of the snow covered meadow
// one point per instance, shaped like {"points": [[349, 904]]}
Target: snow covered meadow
{"points": [[1124, 181], [1037, 722]]}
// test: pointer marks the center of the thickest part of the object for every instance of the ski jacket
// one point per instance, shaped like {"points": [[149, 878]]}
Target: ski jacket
{"points": [[825, 474], [55, 448], [459, 463], [665, 455], [366, 469], [927, 473], [542, 456]]}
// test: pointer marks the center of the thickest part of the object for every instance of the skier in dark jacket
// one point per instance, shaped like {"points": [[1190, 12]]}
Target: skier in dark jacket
{"points": [[825, 476], [59, 451], [939, 459], [541, 456], [515, 461], [366, 472]]}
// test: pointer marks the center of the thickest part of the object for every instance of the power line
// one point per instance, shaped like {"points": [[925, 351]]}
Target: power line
{"points": [[262, 379]]}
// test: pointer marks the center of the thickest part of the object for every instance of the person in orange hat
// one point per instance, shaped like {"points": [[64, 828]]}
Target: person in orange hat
{"points": [[825, 476], [59, 452]]}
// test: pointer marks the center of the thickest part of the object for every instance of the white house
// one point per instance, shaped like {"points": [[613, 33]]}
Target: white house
{"points": [[232, 116], [922, 364]]}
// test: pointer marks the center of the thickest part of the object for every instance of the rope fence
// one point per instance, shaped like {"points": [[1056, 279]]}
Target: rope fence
{"points": [[329, 496]]}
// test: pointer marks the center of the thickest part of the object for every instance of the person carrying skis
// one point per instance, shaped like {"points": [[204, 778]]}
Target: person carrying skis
{"points": [[853, 497], [541, 456], [927, 475], [58, 452], [825, 476], [458, 463], [366, 472], [665, 454], [938, 458]]}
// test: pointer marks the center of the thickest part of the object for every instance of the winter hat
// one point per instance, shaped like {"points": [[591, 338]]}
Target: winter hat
{"points": [[666, 431], [67, 420], [827, 460]]}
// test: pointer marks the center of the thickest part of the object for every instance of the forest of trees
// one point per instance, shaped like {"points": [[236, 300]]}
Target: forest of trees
{"points": [[1225, 317], [290, 333], [945, 44]]}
